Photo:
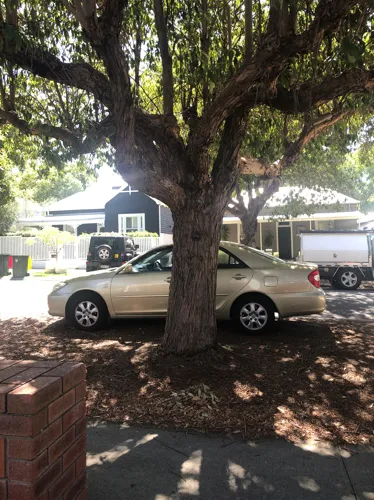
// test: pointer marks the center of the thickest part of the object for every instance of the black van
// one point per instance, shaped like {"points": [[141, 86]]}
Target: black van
{"points": [[111, 250]]}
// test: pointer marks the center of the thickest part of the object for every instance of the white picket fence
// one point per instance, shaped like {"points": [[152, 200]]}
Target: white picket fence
{"points": [[75, 250]]}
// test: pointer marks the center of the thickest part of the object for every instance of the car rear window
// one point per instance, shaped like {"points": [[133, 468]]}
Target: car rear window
{"points": [[266, 255], [114, 243]]}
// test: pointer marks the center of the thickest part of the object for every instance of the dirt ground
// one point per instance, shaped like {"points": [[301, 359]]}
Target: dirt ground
{"points": [[307, 379]]}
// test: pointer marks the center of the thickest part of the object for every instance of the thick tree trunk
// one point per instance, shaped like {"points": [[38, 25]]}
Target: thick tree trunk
{"points": [[191, 323], [249, 228]]}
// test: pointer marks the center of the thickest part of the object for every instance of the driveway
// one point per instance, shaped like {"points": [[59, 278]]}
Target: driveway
{"points": [[28, 298]]}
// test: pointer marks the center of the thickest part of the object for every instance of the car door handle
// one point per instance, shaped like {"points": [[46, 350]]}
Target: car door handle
{"points": [[168, 279], [239, 277]]}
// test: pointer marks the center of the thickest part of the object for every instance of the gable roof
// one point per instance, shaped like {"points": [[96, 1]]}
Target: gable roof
{"points": [[308, 196], [93, 198]]}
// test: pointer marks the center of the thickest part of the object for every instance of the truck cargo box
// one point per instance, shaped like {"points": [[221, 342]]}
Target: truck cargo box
{"points": [[336, 248]]}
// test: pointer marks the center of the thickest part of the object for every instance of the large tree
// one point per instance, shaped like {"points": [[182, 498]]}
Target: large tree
{"points": [[177, 130]]}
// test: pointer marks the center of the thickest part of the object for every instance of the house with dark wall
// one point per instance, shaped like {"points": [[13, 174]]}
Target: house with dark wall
{"points": [[116, 208], [132, 210]]}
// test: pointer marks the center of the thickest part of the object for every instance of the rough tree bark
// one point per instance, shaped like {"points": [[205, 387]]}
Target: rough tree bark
{"points": [[191, 323]]}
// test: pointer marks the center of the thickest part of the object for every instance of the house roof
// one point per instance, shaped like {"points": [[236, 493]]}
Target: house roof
{"points": [[308, 196], [305, 195], [93, 198], [317, 216]]}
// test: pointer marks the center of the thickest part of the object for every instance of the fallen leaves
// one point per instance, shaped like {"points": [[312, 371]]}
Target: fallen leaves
{"points": [[307, 381]]}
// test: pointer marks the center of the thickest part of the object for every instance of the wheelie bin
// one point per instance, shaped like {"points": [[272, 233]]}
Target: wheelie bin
{"points": [[4, 265], [20, 266]]}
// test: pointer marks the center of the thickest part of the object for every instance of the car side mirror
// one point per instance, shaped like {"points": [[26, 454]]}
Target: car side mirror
{"points": [[127, 269], [136, 247]]}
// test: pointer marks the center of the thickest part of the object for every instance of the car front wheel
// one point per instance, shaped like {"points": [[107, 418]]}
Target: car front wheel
{"points": [[253, 314], [87, 312]]}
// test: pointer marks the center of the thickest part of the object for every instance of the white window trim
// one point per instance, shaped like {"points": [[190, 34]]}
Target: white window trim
{"points": [[123, 216]]}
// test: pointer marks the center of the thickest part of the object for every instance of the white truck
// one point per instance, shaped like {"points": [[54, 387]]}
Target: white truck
{"points": [[345, 258]]}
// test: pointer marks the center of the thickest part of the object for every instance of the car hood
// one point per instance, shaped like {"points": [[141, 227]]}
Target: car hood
{"points": [[99, 275]]}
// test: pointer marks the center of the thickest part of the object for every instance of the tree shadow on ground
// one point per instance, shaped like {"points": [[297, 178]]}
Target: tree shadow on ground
{"points": [[153, 464], [305, 380]]}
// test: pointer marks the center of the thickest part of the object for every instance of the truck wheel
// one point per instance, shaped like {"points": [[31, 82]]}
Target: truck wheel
{"points": [[347, 279]]}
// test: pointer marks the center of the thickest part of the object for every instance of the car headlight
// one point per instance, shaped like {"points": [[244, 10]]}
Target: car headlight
{"points": [[59, 286]]}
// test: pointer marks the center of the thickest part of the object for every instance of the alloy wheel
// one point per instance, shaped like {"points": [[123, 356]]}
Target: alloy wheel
{"points": [[349, 279], [103, 254], [86, 313], [253, 316]]}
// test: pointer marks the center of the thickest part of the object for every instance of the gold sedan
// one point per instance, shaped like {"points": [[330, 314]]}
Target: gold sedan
{"points": [[252, 289]]}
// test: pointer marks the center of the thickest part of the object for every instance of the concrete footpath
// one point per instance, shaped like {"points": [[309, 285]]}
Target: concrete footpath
{"points": [[149, 464]]}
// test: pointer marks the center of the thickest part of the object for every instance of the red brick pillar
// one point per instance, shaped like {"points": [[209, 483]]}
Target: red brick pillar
{"points": [[42, 430]]}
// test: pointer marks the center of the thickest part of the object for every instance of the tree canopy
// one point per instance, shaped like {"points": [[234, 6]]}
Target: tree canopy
{"points": [[170, 88]]}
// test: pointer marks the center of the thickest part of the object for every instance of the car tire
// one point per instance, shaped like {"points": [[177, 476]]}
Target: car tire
{"points": [[347, 279], [87, 311], [253, 314], [104, 253]]}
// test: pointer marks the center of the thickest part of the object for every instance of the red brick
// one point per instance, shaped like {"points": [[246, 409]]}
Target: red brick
{"points": [[61, 445], [5, 363], [72, 374], [28, 449], [80, 464], [74, 452], [20, 491], [4, 389], [80, 426], [2, 457], [76, 488], [33, 491], [27, 471], [48, 478], [3, 492], [62, 484], [80, 391], [33, 396], [82, 495], [19, 425], [12, 370], [77, 412], [25, 376], [61, 405]]}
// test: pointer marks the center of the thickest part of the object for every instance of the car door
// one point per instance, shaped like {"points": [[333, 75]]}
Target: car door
{"points": [[232, 276], [145, 290]]}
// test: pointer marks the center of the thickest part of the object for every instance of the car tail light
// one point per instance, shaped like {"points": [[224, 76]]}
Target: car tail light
{"points": [[89, 254], [315, 279]]}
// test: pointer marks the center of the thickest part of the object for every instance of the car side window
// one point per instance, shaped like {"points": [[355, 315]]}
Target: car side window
{"points": [[227, 261], [155, 261]]}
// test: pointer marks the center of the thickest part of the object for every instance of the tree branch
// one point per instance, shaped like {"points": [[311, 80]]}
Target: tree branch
{"points": [[46, 65], [78, 144], [248, 30], [167, 67], [309, 95], [266, 67]]}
